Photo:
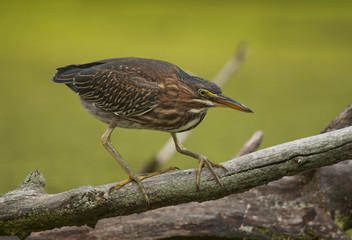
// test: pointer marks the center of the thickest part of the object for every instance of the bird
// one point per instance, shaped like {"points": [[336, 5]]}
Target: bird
{"points": [[140, 93]]}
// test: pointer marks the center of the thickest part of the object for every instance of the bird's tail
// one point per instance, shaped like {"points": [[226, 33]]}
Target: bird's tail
{"points": [[66, 74]]}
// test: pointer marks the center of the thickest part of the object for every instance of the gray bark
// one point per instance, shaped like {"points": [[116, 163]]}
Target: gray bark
{"points": [[29, 208]]}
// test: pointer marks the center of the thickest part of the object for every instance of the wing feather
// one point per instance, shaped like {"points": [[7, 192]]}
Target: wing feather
{"points": [[111, 86]]}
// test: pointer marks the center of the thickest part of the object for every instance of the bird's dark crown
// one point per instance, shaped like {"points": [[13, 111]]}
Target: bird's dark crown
{"points": [[196, 83]]}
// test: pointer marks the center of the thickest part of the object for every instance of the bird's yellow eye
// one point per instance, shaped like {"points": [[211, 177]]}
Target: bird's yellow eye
{"points": [[202, 92]]}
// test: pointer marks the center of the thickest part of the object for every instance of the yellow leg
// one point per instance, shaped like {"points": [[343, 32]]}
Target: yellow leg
{"points": [[105, 139], [132, 176], [123, 183], [203, 161]]}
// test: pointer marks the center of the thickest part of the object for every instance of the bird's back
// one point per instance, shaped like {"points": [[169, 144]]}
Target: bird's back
{"points": [[125, 86], [149, 69]]}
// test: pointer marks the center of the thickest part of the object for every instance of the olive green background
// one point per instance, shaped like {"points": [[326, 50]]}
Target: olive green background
{"points": [[296, 79]]}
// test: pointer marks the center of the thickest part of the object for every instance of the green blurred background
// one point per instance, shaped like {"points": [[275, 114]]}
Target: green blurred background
{"points": [[296, 79]]}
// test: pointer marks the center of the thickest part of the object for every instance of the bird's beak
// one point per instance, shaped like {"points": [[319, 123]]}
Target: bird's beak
{"points": [[224, 101]]}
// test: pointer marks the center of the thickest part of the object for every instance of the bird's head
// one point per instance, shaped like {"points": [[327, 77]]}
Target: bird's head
{"points": [[219, 99], [209, 95], [206, 94]]}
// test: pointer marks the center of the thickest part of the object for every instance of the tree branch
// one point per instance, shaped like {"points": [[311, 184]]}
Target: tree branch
{"points": [[343, 120], [29, 208], [252, 144]]}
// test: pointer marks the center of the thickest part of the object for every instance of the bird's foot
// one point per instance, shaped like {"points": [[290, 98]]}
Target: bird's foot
{"points": [[205, 162], [139, 179]]}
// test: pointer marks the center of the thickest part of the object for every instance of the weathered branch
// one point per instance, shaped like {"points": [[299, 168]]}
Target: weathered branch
{"points": [[343, 120], [252, 144], [28, 208], [284, 209]]}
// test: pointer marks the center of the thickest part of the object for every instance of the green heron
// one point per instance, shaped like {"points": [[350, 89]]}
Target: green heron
{"points": [[145, 94]]}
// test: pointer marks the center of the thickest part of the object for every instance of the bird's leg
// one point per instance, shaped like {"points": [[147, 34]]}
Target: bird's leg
{"points": [[105, 139], [147, 175], [203, 160], [132, 176]]}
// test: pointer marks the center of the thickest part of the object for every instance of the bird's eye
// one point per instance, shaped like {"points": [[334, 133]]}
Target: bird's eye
{"points": [[202, 92]]}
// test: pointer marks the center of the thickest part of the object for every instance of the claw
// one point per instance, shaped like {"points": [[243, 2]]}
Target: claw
{"points": [[139, 179], [206, 162]]}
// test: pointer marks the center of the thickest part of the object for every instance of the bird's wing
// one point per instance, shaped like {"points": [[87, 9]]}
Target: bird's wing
{"points": [[113, 88]]}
